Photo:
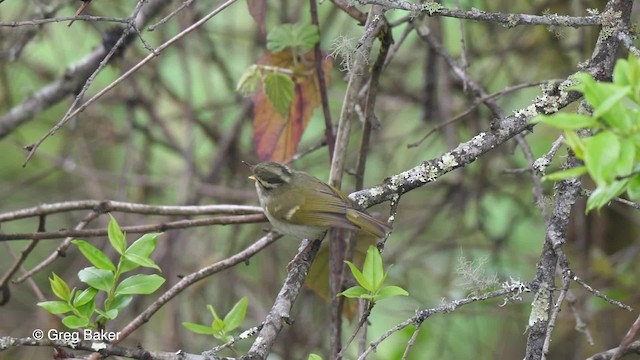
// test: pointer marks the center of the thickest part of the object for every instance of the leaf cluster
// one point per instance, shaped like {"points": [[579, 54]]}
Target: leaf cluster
{"points": [[611, 152], [220, 328], [105, 276], [371, 280]]}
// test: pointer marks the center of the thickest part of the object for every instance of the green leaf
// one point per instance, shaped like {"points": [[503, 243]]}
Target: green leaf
{"points": [[390, 291], [95, 256], [116, 236], [575, 143], [138, 253], [621, 73], [603, 194], [601, 155], [198, 329], [372, 269], [141, 261], [566, 174], [97, 278], [87, 309], [567, 121], [85, 296], [60, 288], [140, 284], [298, 36], [626, 160], [55, 307], [249, 81], [358, 276], [354, 292], [236, 315], [213, 313], [633, 189], [218, 326], [108, 315], [120, 301], [74, 322], [279, 90], [613, 111], [313, 356]]}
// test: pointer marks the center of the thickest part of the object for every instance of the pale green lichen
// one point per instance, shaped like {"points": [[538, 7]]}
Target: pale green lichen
{"points": [[610, 19], [447, 162], [432, 7], [540, 306]]}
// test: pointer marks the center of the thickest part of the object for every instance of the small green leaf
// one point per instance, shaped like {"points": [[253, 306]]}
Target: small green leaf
{"points": [[601, 154], [354, 292], [140, 284], [621, 73], [390, 291], [141, 248], [613, 110], [121, 301], [108, 315], [87, 309], [567, 121], [633, 189], [60, 287], [97, 278], [116, 236], [55, 307], [372, 270], [299, 36], [279, 90], [575, 143], [95, 256], [74, 322], [566, 174], [313, 356], [198, 329], [213, 312], [603, 194], [236, 315], [218, 326], [142, 261], [359, 276], [249, 81], [85, 296]]}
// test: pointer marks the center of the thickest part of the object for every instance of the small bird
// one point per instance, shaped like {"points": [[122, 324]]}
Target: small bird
{"points": [[303, 206]]}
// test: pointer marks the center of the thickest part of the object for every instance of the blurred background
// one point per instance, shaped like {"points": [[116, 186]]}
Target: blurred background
{"points": [[176, 131]]}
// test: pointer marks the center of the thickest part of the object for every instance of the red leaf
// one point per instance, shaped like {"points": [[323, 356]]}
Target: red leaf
{"points": [[276, 136]]}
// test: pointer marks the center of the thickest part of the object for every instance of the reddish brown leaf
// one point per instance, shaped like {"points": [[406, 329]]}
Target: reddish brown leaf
{"points": [[258, 11], [276, 137]]}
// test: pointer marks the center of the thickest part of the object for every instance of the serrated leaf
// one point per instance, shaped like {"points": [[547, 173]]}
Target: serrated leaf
{"points": [[601, 154], [97, 278], [355, 292], [85, 296], [390, 291], [279, 89], [372, 270], [357, 274], [60, 287], [567, 121], [55, 307], [74, 322], [565, 174], [236, 315], [116, 236], [301, 37], [276, 136], [95, 256], [198, 328], [140, 284]]}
